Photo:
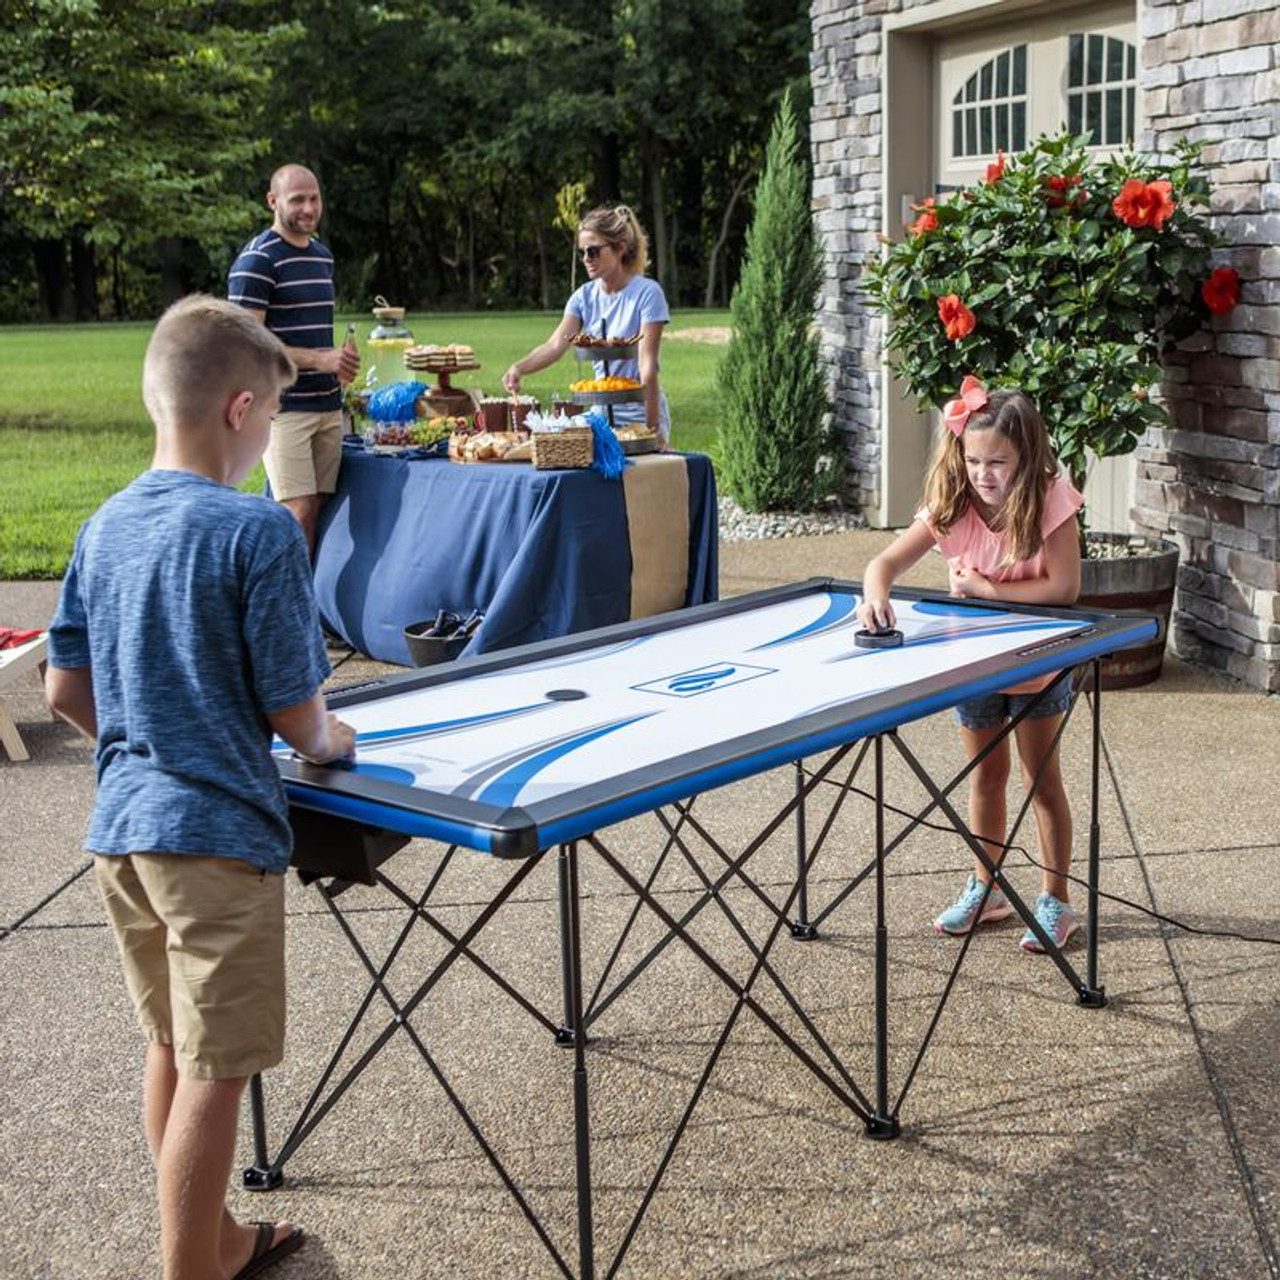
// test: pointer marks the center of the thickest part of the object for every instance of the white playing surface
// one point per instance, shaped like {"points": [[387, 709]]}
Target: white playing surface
{"points": [[499, 739]]}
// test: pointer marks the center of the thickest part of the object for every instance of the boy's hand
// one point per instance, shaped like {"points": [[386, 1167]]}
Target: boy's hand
{"points": [[340, 742], [876, 615], [511, 380]]}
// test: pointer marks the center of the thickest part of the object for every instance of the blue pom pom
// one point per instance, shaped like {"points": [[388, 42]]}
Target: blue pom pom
{"points": [[610, 461], [393, 404]]}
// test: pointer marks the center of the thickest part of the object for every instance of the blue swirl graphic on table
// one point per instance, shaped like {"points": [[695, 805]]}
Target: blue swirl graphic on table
{"points": [[836, 615], [506, 787]]}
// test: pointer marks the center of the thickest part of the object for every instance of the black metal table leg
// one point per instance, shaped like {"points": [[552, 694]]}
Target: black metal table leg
{"points": [[1094, 996], [566, 1036], [581, 1117], [882, 1126], [802, 929], [260, 1176]]}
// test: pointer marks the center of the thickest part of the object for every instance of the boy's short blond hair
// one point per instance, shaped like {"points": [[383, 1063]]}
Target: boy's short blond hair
{"points": [[204, 350]]}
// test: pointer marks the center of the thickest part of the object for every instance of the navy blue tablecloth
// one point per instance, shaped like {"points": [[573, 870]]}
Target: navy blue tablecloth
{"points": [[542, 553]]}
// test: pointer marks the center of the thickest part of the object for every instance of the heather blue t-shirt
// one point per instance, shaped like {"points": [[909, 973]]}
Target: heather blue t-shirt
{"points": [[622, 315], [192, 605]]}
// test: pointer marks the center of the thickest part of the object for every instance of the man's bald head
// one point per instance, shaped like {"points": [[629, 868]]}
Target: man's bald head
{"points": [[288, 175], [294, 197]]}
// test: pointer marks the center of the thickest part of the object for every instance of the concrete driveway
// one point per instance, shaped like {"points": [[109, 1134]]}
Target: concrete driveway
{"points": [[1040, 1139]]}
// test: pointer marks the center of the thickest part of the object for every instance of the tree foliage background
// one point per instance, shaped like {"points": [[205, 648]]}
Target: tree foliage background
{"points": [[780, 451], [450, 137]]}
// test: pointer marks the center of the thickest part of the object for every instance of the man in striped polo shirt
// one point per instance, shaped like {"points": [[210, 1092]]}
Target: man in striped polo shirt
{"points": [[285, 278]]}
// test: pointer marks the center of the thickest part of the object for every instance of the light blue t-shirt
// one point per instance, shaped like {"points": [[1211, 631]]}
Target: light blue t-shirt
{"points": [[622, 315], [192, 605]]}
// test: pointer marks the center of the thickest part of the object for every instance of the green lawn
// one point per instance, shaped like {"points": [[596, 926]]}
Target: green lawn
{"points": [[73, 429]]}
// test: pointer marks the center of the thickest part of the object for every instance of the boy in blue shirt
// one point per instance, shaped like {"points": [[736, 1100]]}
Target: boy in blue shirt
{"points": [[185, 634]]}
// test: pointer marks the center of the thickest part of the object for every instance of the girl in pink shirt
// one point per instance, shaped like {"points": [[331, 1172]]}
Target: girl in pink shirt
{"points": [[998, 510]]}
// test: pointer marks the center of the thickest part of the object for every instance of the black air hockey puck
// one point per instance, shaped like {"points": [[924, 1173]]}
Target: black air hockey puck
{"points": [[887, 639]]}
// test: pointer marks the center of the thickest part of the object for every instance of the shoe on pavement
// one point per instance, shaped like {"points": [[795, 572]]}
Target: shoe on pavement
{"points": [[1056, 918], [962, 914]]}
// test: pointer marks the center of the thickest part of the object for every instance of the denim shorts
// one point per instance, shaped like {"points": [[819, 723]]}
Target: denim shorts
{"points": [[994, 709]]}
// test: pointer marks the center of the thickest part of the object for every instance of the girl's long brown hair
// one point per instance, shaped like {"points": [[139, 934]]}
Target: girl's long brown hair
{"points": [[946, 487]]}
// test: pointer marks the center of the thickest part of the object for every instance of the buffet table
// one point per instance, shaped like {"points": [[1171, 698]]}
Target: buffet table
{"points": [[542, 553]]}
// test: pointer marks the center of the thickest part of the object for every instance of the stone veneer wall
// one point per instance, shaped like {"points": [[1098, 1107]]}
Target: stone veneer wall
{"points": [[1211, 481], [845, 135]]}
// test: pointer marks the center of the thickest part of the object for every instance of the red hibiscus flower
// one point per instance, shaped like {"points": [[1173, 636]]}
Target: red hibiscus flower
{"points": [[996, 171], [1060, 191], [1221, 291], [956, 317], [1144, 204], [928, 219]]}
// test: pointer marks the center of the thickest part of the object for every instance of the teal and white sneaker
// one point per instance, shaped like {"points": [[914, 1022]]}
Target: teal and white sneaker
{"points": [[1057, 920], [962, 914]]}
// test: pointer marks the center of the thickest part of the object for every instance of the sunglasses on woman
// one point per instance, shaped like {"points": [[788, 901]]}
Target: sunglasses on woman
{"points": [[592, 251]]}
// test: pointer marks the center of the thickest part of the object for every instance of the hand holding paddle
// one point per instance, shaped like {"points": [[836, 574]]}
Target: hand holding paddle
{"points": [[876, 614], [877, 632]]}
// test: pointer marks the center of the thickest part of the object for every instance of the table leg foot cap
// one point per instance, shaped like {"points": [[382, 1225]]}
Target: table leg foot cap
{"points": [[883, 1128], [260, 1179]]}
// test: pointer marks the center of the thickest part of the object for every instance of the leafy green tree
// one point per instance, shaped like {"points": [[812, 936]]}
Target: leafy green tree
{"points": [[777, 441], [138, 138], [123, 125]]}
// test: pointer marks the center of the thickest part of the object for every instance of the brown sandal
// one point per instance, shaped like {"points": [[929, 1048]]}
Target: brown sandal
{"points": [[265, 1254]]}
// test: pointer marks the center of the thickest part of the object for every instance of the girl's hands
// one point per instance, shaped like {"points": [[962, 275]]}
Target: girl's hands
{"points": [[967, 581], [511, 380], [876, 614]]}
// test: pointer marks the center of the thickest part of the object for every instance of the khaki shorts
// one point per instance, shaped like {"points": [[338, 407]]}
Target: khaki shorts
{"points": [[304, 453], [202, 943]]}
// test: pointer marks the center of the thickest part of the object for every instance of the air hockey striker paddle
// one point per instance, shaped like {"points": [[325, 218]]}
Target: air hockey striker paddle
{"points": [[884, 638]]}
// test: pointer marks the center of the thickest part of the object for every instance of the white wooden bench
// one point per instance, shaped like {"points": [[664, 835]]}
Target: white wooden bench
{"points": [[13, 662]]}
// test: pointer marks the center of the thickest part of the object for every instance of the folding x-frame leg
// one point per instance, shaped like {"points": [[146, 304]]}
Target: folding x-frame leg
{"points": [[1088, 990]]}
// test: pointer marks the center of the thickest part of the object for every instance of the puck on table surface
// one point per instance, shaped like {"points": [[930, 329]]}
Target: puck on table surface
{"points": [[566, 695], [889, 638]]}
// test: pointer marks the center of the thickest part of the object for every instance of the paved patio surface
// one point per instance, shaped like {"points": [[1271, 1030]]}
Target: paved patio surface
{"points": [[1040, 1139]]}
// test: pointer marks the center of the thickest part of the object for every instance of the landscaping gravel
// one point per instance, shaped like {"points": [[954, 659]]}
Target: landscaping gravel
{"points": [[737, 525]]}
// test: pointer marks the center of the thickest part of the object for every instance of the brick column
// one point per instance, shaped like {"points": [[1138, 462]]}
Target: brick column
{"points": [[1211, 480], [845, 133]]}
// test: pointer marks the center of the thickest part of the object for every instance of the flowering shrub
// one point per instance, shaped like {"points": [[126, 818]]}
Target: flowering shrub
{"points": [[1061, 274]]}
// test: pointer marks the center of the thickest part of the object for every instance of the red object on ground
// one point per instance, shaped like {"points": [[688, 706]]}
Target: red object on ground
{"points": [[11, 639]]}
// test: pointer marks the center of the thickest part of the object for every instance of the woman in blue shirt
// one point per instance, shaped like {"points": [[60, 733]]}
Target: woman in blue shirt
{"points": [[617, 301]]}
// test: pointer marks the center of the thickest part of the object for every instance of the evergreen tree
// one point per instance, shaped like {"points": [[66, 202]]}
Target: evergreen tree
{"points": [[777, 443]]}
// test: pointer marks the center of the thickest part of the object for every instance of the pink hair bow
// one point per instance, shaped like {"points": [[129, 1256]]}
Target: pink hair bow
{"points": [[955, 413]]}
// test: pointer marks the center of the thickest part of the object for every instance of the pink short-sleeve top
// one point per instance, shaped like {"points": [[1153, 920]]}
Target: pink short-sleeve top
{"points": [[973, 542]]}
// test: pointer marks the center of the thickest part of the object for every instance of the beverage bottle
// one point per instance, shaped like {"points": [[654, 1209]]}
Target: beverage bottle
{"points": [[472, 624], [348, 344]]}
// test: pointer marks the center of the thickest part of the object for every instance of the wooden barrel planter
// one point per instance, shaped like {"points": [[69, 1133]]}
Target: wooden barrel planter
{"points": [[1139, 583]]}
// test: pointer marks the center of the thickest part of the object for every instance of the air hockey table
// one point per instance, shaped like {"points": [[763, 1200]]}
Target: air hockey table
{"points": [[545, 748]]}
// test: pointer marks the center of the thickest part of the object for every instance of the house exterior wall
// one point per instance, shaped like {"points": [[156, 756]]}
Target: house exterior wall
{"points": [[845, 132], [1210, 481]]}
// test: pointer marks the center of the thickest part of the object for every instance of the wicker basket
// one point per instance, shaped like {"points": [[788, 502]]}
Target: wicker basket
{"points": [[563, 450]]}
